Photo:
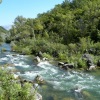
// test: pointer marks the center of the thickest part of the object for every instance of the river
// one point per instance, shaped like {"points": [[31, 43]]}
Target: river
{"points": [[60, 83]]}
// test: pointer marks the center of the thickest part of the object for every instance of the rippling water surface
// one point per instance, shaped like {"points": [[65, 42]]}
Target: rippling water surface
{"points": [[60, 84]]}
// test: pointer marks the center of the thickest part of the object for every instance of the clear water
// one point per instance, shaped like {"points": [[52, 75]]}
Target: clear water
{"points": [[60, 84]]}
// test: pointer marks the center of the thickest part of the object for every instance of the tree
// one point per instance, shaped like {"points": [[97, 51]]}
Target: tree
{"points": [[19, 20]]}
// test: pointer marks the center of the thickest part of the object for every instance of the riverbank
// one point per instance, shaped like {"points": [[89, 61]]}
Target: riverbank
{"points": [[79, 61], [59, 82]]}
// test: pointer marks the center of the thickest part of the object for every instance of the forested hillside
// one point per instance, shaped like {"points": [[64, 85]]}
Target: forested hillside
{"points": [[2, 33], [2, 30], [70, 28]]}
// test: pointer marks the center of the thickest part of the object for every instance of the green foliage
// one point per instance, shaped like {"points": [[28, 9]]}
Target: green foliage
{"points": [[26, 50], [1, 40], [2, 30], [81, 64], [10, 89], [3, 33], [62, 56], [85, 43], [72, 47], [66, 23], [65, 32], [46, 35], [47, 56]]}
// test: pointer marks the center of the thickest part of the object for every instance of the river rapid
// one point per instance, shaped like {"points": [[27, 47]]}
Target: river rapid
{"points": [[60, 85]]}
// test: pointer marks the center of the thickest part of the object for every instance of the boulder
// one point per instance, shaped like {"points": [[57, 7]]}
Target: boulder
{"points": [[39, 54], [92, 67], [92, 51], [38, 79], [87, 57], [65, 65], [35, 85], [37, 58], [89, 63], [71, 66], [60, 64], [38, 96]]}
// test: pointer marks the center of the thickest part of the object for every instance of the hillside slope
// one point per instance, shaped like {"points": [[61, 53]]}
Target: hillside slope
{"points": [[3, 34], [2, 30]]}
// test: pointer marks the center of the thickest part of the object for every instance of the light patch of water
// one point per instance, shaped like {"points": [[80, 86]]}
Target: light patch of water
{"points": [[28, 75], [47, 66], [3, 59]]}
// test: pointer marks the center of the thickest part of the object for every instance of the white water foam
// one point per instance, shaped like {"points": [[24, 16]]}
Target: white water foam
{"points": [[62, 80], [29, 74], [3, 59], [67, 79], [22, 64], [9, 55], [47, 66], [43, 63], [17, 60]]}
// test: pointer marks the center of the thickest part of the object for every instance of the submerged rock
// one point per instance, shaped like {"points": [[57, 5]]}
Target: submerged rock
{"points": [[87, 95], [50, 98], [9, 64]]}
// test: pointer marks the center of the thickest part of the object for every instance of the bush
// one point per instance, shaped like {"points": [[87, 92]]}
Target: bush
{"points": [[47, 55], [72, 47], [62, 56], [85, 44], [81, 64], [10, 89], [26, 50]]}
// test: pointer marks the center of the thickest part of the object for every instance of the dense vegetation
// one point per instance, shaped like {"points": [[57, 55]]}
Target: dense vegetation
{"points": [[65, 32], [11, 88], [2, 30], [2, 34]]}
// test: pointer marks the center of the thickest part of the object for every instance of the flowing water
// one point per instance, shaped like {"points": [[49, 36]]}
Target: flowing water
{"points": [[60, 85]]}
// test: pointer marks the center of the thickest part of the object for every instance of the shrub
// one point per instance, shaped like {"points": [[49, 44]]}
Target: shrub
{"points": [[26, 50], [62, 56], [81, 64], [47, 55], [85, 43], [72, 47], [11, 89]]}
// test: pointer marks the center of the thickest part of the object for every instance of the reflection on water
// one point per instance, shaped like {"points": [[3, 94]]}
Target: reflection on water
{"points": [[60, 85]]}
